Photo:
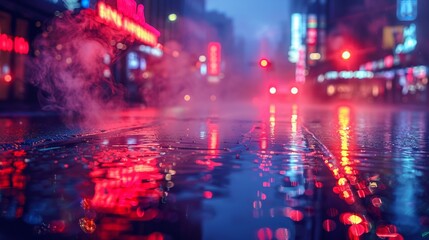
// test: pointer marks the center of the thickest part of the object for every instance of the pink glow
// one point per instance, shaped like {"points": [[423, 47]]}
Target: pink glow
{"points": [[214, 58]]}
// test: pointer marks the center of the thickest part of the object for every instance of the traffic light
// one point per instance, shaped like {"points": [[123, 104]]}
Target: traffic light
{"points": [[264, 63], [345, 55]]}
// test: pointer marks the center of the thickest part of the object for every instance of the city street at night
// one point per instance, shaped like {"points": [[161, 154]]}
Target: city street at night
{"points": [[243, 171]]}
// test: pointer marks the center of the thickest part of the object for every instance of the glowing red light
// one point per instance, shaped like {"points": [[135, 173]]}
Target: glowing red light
{"points": [[156, 236], [265, 233], [273, 90], [21, 46], [263, 63], [6, 43], [87, 225], [17, 44], [207, 194], [387, 231], [388, 61], [318, 184], [356, 230], [296, 215], [214, 58], [329, 225], [7, 78], [312, 36], [376, 202], [282, 233]]}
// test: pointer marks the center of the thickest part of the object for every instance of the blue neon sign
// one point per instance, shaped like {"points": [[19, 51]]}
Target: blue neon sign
{"points": [[406, 10]]}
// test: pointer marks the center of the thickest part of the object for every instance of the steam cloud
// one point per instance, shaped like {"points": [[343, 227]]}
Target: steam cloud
{"points": [[72, 67]]}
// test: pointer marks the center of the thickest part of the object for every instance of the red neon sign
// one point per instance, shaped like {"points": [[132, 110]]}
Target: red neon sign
{"points": [[311, 36], [214, 58], [129, 19], [16, 44], [131, 9]]}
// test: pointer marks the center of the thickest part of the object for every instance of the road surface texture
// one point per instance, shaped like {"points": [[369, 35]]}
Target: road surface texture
{"points": [[260, 171]]}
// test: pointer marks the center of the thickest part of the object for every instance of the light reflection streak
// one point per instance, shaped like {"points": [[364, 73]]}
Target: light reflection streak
{"points": [[130, 181], [13, 183], [212, 146], [272, 120], [343, 169], [294, 119], [213, 139], [405, 190]]}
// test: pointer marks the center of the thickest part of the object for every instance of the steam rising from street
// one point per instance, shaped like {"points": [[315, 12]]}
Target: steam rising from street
{"points": [[73, 70], [72, 67]]}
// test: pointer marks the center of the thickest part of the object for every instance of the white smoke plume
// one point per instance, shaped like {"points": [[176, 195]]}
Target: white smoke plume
{"points": [[72, 67]]}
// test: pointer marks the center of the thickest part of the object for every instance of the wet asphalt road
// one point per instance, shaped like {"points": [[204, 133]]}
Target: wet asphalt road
{"points": [[261, 171]]}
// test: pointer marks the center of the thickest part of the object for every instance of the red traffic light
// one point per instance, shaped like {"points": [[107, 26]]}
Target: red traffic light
{"points": [[264, 63]]}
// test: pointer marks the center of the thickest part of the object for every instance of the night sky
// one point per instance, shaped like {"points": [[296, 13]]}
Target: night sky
{"points": [[255, 21], [251, 18]]}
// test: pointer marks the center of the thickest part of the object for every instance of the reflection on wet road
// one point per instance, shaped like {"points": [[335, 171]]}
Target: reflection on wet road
{"points": [[272, 172]]}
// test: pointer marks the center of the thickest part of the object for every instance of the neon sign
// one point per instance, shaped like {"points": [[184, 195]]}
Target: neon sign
{"points": [[296, 35], [129, 17], [300, 66], [214, 58], [312, 30], [16, 44], [406, 10], [410, 40], [131, 9], [311, 36]]}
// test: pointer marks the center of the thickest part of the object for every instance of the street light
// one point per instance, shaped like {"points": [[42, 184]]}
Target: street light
{"points": [[345, 55]]}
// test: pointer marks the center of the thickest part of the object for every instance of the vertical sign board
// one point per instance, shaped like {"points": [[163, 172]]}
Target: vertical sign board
{"points": [[300, 66], [311, 36], [214, 59], [406, 10], [296, 36]]}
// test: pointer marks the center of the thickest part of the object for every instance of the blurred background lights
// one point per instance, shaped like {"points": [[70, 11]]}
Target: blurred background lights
{"points": [[346, 55], [172, 17], [7, 78], [202, 58], [294, 90]]}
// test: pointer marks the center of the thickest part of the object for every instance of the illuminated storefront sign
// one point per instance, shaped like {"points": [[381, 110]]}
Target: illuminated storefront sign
{"points": [[214, 59], [14, 44], [406, 10], [312, 30], [334, 75], [129, 17], [410, 40], [297, 36]]}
